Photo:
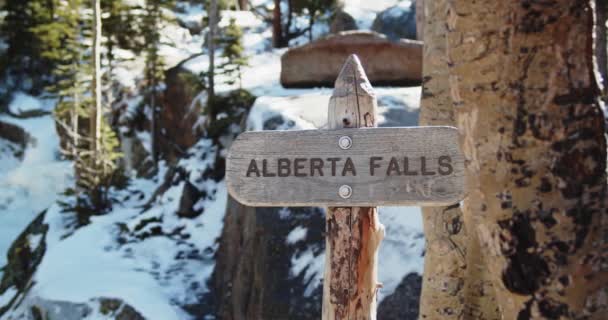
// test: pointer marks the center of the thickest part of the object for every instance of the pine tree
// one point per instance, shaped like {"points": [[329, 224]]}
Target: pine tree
{"points": [[76, 82], [233, 52], [22, 67], [154, 70], [313, 9]]}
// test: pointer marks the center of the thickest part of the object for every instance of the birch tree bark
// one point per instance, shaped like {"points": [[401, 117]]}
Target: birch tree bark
{"points": [[526, 101], [96, 111]]}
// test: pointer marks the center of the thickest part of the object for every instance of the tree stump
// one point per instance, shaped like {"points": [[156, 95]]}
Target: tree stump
{"points": [[354, 233]]}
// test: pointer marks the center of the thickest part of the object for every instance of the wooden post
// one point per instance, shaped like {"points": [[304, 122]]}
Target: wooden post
{"points": [[354, 233]]}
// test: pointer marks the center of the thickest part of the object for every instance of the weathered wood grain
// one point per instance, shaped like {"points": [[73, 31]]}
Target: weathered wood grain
{"points": [[354, 234], [390, 166]]}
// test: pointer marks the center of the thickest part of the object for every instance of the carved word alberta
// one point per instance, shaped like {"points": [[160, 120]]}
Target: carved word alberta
{"points": [[347, 167], [311, 167]]}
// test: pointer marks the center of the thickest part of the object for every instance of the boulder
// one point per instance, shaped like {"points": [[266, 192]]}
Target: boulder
{"points": [[397, 22], [385, 62], [180, 122], [342, 21]]}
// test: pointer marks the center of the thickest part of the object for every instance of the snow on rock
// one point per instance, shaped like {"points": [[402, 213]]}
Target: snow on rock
{"points": [[24, 103], [32, 184]]}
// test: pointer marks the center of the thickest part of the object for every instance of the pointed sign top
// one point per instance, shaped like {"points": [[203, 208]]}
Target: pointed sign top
{"points": [[351, 75]]}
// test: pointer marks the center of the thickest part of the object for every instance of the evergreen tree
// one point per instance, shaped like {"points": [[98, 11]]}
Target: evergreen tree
{"points": [[66, 42], [154, 69], [22, 67], [233, 51], [314, 9]]}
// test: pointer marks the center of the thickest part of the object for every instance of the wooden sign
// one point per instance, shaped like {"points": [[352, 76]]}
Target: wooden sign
{"points": [[347, 167]]}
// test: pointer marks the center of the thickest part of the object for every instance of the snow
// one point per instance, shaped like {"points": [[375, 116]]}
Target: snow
{"points": [[97, 272], [313, 264], [7, 296], [365, 11], [402, 248], [9, 156], [23, 102], [34, 183], [296, 235]]}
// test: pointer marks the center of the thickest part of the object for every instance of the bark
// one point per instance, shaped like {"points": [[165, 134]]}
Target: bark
{"points": [[420, 21], [96, 111], [277, 25], [526, 101], [455, 283], [601, 12], [211, 47], [353, 234], [243, 5]]}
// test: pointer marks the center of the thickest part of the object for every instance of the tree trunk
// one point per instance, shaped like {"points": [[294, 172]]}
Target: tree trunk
{"points": [[277, 25], [601, 12], [420, 21], [353, 234], [456, 281], [96, 111], [243, 5], [526, 101], [211, 45], [445, 264]]}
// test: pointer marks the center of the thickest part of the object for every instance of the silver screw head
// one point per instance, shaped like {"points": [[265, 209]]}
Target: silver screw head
{"points": [[345, 142], [345, 191]]}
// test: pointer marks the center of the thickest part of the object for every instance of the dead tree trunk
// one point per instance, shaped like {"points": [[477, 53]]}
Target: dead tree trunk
{"points": [[353, 234], [523, 87]]}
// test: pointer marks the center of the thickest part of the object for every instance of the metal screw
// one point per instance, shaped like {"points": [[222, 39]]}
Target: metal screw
{"points": [[345, 191], [345, 142]]}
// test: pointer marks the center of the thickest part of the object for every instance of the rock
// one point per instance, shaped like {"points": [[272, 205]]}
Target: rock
{"points": [[14, 134], [43, 309], [386, 63], [403, 303], [24, 256], [397, 22], [254, 277], [181, 114], [117, 309], [342, 21]]}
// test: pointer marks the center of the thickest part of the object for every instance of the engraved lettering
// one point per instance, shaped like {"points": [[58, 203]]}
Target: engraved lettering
{"points": [[349, 166], [265, 172], [333, 165], [298, 164], [406, 168], [283, 167], [253, 168], [393, 165], [373, 165], [423, 167], [316, 164], [445, 165]]}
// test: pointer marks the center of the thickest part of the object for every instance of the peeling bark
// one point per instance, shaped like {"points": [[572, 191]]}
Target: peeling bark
{"points": [[526, 101], [353, 234]]}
